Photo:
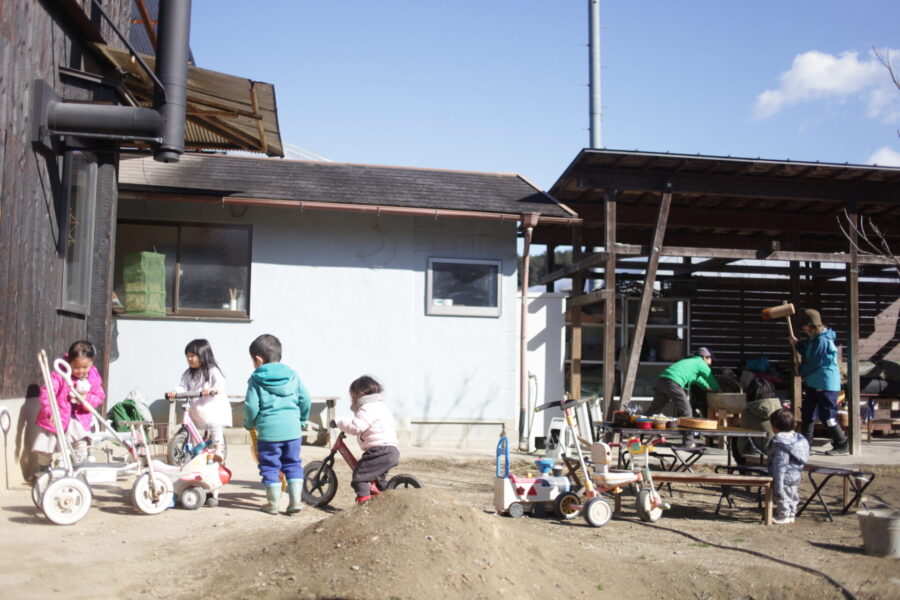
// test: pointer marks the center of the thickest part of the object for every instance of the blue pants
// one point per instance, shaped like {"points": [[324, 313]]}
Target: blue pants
{"points": [[819, 405], [279, 457]]}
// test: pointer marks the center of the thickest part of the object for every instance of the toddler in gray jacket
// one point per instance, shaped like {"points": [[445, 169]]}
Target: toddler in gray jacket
{"points": [[788, 451]]}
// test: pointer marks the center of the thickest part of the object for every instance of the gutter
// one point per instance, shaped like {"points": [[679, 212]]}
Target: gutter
{"points": [[377, 209]]}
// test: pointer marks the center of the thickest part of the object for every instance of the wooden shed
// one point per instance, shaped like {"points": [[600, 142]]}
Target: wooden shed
{"points": [[732, 236]]}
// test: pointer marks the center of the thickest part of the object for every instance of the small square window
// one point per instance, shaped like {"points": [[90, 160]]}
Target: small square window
{"points": [[463, 287], [77, 228]]}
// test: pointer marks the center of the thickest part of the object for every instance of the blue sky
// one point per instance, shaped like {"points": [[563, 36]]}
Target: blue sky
{"points": [[496, 85]]}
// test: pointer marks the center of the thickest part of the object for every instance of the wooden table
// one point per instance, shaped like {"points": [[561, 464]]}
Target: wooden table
{"points": [[723, 432]]}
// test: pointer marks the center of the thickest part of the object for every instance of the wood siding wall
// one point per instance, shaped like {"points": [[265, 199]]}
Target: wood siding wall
{"points": [[35, 39], [726, 317]]}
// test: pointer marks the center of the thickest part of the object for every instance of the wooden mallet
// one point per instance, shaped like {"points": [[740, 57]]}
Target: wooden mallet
{"points": [[783, 310]]}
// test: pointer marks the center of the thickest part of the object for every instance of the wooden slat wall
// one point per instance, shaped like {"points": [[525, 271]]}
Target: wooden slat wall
{"points": [[726, 317], [39, 37]]}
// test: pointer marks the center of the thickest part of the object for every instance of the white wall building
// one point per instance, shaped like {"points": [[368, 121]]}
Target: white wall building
{"points": [[406, 274]]}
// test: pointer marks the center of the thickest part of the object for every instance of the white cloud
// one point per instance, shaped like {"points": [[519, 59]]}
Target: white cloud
{"points": [[885, 157], [817, 75]]}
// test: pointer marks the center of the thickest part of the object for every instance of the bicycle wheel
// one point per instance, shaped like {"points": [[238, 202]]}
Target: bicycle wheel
{"points": [[645, 509], [402, 481], [66, 500], [143, 493], [176, 454], [320, 484]]}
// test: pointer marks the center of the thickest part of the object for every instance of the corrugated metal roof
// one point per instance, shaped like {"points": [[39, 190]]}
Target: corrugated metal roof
{"points": [[330, 182], [223, 112]]}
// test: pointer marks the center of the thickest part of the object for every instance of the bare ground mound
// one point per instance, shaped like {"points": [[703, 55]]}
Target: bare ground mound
{"points": [[429, 543], [438, 542]]}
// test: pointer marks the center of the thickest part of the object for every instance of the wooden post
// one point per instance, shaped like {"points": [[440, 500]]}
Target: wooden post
{"points": [[551, 264], [851, 400], [796, 384], [640, 325], [609, 308], [575, 320]]}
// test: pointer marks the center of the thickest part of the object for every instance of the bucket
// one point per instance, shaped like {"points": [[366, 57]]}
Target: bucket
{"points": [[880, 531]]}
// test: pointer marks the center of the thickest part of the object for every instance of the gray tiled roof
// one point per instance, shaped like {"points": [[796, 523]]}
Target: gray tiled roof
{"points": [[313, 181]]}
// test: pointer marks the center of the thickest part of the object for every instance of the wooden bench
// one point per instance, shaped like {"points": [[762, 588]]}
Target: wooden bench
{"points": [[724, 480]]}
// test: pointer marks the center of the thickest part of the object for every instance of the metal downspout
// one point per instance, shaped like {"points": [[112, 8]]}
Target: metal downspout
{"points": [[174, 31], [529, 221]]}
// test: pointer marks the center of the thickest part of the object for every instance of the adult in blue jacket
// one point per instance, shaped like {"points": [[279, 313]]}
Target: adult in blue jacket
{"points": [[821, 380]]}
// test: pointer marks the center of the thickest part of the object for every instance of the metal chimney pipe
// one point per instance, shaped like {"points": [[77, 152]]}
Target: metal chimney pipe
{"points": [[594, 52], [172, 51]]}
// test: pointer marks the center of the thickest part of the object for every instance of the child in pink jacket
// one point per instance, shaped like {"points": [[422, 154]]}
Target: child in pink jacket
{"points": [[74, 418], [373, 424]]}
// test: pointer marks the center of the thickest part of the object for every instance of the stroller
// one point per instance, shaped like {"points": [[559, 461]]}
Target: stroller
{"points": [[63, 491]]}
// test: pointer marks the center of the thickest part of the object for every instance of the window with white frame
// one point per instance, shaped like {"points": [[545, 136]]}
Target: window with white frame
{"points": [[463, 287], [77, 228], [207, 266]]}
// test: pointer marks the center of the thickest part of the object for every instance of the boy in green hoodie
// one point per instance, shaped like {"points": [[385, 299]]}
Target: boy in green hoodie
{"points": [[277, 406]]}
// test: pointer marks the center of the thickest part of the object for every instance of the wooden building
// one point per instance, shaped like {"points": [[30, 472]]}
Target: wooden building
{"points": [[58, 189], [733, 236]]}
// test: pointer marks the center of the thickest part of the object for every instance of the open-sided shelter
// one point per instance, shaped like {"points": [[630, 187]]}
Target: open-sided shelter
{"points": [[746, 234]]}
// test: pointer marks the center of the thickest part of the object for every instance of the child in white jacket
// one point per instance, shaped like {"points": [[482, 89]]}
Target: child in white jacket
{"points": [[373, 424]]}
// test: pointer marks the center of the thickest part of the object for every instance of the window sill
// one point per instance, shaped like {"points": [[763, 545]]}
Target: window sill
{"points": [[220, 319]]}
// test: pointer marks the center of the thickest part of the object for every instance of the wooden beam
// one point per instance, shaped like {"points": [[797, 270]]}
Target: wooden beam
{"points": [[261, 131], [147, 21], [640, 325], [831, 190], [575, 321], [748, 219], [609, 309], [591, 260], [586, 299], [853, 387]]}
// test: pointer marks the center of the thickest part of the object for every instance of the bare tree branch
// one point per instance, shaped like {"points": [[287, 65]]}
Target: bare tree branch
{"points": [[886, 61], [874, 239]]}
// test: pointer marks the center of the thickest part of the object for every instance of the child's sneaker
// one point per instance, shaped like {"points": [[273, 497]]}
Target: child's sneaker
{"points": [[782, 520], [373, 489], [363, 499]]}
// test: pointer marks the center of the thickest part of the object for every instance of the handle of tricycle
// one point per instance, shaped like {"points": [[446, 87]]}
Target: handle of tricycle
{"points": [[503, 453]]}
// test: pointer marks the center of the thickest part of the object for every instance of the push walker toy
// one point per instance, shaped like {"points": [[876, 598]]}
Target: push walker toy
{"points": [[514, 496], [320, 482], [63, 493]]}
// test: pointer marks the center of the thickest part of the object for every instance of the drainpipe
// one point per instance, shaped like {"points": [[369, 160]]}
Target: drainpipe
{"points": [[161, 126], [529, 222], [172, 51]]}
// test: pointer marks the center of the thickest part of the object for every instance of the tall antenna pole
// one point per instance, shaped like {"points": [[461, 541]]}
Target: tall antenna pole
{"points": [[594, 52]]}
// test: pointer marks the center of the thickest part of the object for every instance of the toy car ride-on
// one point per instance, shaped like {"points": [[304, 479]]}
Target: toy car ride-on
{"points": [[514, 496]]}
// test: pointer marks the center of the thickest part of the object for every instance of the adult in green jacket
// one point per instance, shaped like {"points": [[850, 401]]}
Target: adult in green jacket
{"points": [[674, 385]]}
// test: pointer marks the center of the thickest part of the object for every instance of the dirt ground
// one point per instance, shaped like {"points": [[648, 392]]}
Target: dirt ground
{"points": [[443, 540]]}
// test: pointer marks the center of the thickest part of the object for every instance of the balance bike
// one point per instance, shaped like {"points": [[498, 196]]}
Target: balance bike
{"points": [[320, 482]]}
